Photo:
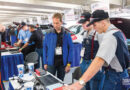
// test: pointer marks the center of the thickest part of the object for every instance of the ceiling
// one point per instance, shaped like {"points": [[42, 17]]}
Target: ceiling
{"points": [[20, 9]]}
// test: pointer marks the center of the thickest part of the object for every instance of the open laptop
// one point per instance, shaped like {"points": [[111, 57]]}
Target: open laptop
{"points": [[48, 80]]}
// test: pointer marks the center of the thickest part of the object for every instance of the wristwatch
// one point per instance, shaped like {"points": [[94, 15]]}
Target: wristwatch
{"points": [[81, 82]]}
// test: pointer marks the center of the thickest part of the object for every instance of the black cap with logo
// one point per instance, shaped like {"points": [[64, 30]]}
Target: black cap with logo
{"points": [[23, 24], [84, 17], [98, 15]]}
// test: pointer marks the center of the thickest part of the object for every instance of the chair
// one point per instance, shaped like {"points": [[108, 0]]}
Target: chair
{"points": [[32, 57], [76, 74]]}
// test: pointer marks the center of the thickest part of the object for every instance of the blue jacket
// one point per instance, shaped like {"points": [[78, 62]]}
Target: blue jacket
{"points": [[49, 46]]}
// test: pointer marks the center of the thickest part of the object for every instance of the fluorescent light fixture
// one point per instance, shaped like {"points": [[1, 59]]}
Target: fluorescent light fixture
{"points": [[31, 9], [45, 3], [58, 4], [23, 13]]}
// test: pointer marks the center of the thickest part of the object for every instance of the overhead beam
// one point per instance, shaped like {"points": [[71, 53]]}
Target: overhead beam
{"points": [[17, 4], [115, 2], [44, 3], [21, 12]]}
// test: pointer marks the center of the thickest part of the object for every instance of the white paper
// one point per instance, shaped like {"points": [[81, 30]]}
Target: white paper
{"points": [[82, 52], [58, 50]]}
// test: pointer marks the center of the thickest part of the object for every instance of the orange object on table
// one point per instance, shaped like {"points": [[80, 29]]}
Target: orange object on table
{"points": [[59, 88]]}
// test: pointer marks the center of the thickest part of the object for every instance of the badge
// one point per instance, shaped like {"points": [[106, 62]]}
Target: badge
{"points": [[26, 39], [87, 41], [58, 50], [82, 52]]}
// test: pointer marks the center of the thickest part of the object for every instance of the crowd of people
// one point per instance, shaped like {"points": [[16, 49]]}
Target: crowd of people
{"points": [[105, 52]]}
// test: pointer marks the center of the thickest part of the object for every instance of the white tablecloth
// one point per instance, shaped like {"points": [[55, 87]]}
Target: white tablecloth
{"points": [[8, 53]]}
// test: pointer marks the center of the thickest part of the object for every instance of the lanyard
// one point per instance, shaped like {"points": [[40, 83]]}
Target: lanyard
{"points": [[92, 45]]}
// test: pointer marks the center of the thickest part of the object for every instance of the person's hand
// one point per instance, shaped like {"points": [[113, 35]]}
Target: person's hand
{"points": [[75, 86], [67, 69], [16, 44], [20, 49], [2, 28], [45, 66]]}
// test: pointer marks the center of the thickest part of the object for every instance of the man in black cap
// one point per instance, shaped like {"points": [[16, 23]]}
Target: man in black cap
{"points": [[37, 38], [113, 54], [23, 37], [90, 47]]}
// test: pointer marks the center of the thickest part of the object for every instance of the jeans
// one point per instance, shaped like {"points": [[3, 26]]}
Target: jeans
{"points": [[40, 54], [60, 71], [96, 83], [113, 80]]}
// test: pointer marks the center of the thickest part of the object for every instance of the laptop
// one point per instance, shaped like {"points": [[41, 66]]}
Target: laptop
{"points": [[48, 80]]}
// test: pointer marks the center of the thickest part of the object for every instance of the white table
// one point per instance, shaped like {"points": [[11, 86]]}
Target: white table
{"points": [[8, 53], [15, 85]]}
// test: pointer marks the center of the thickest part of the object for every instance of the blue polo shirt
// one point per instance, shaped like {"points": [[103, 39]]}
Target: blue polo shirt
{"points": [[24, 35]]}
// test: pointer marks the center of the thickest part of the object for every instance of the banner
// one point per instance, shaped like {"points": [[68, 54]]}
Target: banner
{"points": [[30, 21], [69, 15], [50, 18], [101, 6], [39, 20], [25, 20]]}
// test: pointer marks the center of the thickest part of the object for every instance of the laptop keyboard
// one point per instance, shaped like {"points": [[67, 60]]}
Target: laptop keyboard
{"points": [[48, 80]]}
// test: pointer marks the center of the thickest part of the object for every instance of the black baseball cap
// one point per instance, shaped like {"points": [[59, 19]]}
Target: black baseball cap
{"points": [[98, 15], [23, 24], [84, 17]]}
